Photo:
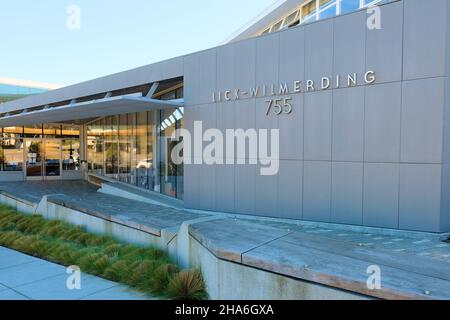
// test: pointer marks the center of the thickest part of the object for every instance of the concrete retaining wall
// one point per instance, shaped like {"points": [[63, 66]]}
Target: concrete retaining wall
{"points": [[224, 280], [72, 175], [100, 226], [229, 281], [18, 204], [9, 176]]}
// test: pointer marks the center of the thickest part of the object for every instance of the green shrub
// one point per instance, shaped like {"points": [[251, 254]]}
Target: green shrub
{"points": [[187, 285], [140, 273], [99, 241], [54, 231], [101, 263], [40, 248], [34, 226], [147, 269], [113, 250], [8, 238], [161, 278], [117, 271], [58, 251], [87, 262], [24, 243]]}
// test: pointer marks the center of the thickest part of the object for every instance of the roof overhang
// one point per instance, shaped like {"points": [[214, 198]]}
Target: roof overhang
{"points": [[89, 110], [276, 11]]}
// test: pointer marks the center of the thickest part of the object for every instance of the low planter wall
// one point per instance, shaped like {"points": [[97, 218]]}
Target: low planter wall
{"points": [[224, 279]]}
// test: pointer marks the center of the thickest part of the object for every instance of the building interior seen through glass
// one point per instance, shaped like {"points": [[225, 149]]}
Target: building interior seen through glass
{"points": [[314, 10], [40, 149], [136, 148]]}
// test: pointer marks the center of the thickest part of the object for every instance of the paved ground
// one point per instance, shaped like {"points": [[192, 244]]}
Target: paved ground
{"points": [[83, 196], [23, 277], [396, 241], [414, 264]]}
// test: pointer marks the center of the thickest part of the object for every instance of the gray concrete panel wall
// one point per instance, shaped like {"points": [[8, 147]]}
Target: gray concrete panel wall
{"points": [[381, 195], [373, 155], [445, 199], [422, 120], [387, 42], [317, 176], [424, 30]]}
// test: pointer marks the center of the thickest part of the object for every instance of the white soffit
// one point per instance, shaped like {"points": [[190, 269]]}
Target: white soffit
{"points": [[89, 109]]}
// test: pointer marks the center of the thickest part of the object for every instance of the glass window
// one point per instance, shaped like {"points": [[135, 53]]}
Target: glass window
{"points": [[99, 160], [309, 11], [180, 168], [70, 131], [33, 131], [136, 148], [12, 132], [52, 157], [71, 154], [125, 150], [151, 150], [2, 158], [327, 9], [143, 162], [111, 147], [167, 169], [180, 93], [321, 9], [290, 19], [34, 151], [171, 175], [326, 3], [90, 146], [132, 138], [373, 2], [277, 26], [12, 154], [349, 6], [169, 96], [52, 130]]}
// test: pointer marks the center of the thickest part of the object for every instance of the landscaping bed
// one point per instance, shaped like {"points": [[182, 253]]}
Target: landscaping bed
{"points": [[149, 270]]}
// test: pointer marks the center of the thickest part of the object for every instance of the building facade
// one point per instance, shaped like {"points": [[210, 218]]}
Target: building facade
{"points": [[12, 148], [359, 96]]}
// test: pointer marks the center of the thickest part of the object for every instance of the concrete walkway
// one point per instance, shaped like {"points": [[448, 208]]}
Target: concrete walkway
{"points": [[414, 265], [23, 277], [83, 196]]}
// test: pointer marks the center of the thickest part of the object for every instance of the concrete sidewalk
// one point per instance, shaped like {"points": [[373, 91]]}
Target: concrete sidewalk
{"points": [[23, 277]]}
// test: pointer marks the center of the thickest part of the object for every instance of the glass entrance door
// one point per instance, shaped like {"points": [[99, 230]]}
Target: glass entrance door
{"points": [[43, 158], [33, 155]]}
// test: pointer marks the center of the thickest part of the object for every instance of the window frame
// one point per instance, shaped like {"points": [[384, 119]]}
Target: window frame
{"points": [[315, 16], [296, 17], [302, 20]]}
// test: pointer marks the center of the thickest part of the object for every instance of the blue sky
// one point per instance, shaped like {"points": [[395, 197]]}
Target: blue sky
{"points": [[115, 35]]}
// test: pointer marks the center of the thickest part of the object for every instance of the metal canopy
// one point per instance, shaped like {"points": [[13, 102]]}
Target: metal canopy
{"points": [[89, 109]]}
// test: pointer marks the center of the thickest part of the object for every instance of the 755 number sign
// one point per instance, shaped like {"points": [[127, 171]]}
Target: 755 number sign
{"points": [[279, 106]]}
